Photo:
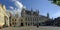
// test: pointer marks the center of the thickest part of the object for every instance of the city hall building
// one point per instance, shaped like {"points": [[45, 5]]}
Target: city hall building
{"points": [[27, 18]]}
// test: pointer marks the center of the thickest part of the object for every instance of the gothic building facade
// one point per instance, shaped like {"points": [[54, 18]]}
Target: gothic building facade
{"points": [[31, 18], [27, 18]]}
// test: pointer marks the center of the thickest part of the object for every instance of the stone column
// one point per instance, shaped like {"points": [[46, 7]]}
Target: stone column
{"points": [[24, 21], [32, 21], [27, 21]]}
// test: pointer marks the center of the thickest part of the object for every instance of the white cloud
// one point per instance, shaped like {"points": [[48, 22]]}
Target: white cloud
{"points": [[18, 8], [11, 7], [18, 4], [56, 14]]}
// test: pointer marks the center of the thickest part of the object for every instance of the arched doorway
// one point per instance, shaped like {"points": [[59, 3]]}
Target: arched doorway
{"points": [[21, 24]]}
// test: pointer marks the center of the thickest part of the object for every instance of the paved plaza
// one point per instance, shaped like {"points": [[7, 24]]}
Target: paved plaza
{"points": [[32, 28]]}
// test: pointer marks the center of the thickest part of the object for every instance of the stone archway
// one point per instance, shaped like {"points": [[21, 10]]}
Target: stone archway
{"points": [[22, 24]]}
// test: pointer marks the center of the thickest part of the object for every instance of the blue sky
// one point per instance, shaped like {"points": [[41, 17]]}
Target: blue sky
{"points": [[44, 6]]}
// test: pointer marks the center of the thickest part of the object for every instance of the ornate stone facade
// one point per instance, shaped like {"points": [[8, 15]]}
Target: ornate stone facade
{"points": [[27, 18], [3, 16]]}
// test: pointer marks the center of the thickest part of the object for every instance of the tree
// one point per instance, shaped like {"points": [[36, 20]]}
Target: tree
{"points": [[57, 2], [57, 21]]}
